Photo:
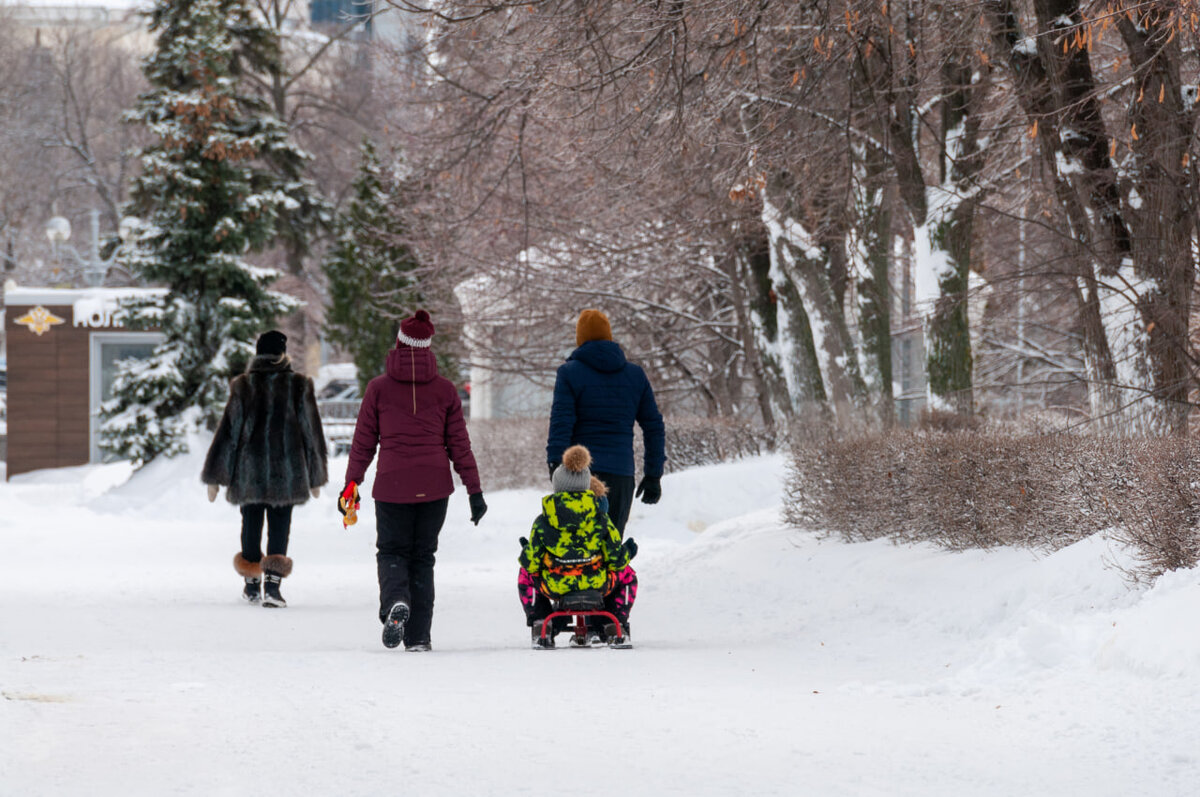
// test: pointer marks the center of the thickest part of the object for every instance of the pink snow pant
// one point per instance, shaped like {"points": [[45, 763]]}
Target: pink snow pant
{"points": [[619, 600]]}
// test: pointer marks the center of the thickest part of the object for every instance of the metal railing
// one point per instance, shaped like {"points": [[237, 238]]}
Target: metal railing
{"points": [[338, 409], [337, 421]]}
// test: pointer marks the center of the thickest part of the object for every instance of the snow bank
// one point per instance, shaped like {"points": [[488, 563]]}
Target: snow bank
{"points": [[1158, 635], [963, 618]]}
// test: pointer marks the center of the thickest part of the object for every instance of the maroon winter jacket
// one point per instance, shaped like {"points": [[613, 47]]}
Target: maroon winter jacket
{"points": [[415, 418]]}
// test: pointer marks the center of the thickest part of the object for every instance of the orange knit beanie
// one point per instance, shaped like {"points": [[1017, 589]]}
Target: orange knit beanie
{"points": [[592, 325]]}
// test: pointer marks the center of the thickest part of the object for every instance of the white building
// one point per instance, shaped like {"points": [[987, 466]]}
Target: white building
{"points": [[496, 391]]}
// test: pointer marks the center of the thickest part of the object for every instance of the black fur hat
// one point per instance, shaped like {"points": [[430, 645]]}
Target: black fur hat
{"points": [[273, 342]]}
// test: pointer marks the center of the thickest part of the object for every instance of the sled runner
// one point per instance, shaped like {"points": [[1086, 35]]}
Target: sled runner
{"points": [[578, 607]]}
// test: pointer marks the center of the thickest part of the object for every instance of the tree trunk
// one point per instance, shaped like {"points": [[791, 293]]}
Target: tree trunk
{"points": [[1135, 292], [737, 266], [874, 224], [1164, 224], [810, 271], [941, 214]]}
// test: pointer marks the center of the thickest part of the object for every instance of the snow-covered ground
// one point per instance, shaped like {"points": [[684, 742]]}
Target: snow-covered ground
{"points": [[768, 660]]}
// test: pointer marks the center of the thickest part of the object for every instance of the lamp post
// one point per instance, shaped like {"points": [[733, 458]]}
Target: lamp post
{"points": [[94, 268], [58, 230]]}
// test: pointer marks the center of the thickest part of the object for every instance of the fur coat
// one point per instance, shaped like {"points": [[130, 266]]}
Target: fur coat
{"points": [[269, 447]]}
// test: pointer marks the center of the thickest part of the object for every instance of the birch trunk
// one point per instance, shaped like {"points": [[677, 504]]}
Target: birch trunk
{"points": [[806, 268]]}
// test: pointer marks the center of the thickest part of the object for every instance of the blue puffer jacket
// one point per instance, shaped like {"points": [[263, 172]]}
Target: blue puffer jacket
{"points": [[597, 396]]}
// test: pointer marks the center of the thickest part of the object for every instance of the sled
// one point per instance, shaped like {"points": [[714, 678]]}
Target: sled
{"points": [[579, 606]]}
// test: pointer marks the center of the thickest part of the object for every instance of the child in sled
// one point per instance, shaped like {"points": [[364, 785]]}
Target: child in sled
{"points": [[575, 546]]}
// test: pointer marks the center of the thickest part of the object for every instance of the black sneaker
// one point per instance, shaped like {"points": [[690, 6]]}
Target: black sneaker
{"points": [[393, 626], [618, 638], [252, 592], [272, 598], [418, 647]]}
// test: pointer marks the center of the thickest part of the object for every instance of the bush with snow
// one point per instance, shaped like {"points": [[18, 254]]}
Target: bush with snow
{"points": [[980, 489]]}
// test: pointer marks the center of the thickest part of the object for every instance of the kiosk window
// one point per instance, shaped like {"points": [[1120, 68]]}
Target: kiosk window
{"points": [[108, 349], [111, 354]]}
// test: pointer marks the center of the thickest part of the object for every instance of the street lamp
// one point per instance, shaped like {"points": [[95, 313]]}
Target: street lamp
{"points": [[94, 268], [58, 230]]}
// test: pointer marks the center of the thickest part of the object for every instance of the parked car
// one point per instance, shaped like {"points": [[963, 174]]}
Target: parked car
{"points": [[339, 390], [338, 402]]}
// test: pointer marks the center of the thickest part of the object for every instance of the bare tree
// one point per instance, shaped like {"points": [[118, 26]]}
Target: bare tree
{"points": [[821, 157], [63, 147]]}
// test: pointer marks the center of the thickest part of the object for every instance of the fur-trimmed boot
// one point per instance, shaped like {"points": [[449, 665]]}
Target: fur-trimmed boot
{"points": [[252, 573], [276, 567]]}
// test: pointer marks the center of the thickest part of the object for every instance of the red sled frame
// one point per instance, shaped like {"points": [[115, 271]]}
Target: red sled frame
{"points": [[580, 616]]}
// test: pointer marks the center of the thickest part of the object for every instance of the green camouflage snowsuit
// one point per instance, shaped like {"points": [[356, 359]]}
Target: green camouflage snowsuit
{"points": [[573, 546]]}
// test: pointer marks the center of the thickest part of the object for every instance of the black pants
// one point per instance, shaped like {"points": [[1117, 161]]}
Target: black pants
{"points": [[406, 541], [279, 527], [620, 498], [620, 501]]}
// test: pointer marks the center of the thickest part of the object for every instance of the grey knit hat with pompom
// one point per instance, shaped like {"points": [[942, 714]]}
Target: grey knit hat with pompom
{"points": [[573, 475]]}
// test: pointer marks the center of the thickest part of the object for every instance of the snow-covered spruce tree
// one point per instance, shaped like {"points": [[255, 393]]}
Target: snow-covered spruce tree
{"points": [[370, 269], [206, 196]]}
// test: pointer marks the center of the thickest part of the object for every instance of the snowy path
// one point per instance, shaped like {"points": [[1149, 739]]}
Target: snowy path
{"points": [[768, 661]]}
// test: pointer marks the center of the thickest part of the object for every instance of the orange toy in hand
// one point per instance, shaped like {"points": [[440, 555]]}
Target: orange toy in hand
{"points": [[348, 505]]}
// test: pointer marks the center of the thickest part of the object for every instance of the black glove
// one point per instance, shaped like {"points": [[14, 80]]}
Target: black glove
{"points": [[524, 543], [552, 465], [478, 507], [630, 546], [650, 489]]}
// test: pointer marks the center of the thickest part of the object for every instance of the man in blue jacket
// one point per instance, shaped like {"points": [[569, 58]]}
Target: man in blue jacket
{"points": [[598, 395]]}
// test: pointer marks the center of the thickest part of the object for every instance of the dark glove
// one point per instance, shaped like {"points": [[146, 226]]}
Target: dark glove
{"points": [[630, 546], [478, 507], [552, 465], [650, 489], [524, 542]]}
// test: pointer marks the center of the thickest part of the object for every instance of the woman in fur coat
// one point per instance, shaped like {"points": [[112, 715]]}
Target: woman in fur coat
{"points": [[269, 452]]}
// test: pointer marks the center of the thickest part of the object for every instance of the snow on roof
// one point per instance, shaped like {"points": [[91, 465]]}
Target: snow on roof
{"points": [[107, 5], [15, 295], [53, 13]]}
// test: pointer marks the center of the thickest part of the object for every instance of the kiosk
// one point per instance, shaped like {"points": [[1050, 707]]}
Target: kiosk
{"points": [[63, 346]]}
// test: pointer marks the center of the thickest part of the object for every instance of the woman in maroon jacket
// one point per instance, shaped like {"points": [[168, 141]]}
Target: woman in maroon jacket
{"points": [[415, 418]]}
